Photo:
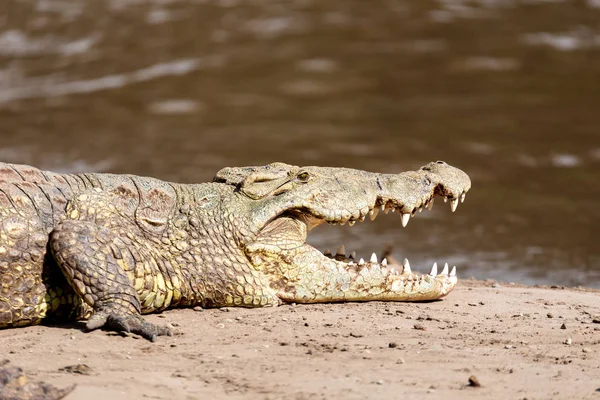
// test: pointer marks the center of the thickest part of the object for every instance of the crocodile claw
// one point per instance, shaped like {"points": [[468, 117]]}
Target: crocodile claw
{"points": [[128, 323]]}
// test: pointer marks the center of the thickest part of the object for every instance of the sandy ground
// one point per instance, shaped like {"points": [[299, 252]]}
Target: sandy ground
{"points": [[518, 342]]}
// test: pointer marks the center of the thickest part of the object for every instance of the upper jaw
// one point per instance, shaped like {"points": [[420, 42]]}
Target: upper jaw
{"points": [[407, 210]]}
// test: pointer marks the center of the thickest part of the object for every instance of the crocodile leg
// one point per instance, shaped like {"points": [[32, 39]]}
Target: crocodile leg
{"points": [[86, 254]]}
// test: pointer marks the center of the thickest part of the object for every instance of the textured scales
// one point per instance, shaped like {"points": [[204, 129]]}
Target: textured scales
{"points": [[112, 247]]}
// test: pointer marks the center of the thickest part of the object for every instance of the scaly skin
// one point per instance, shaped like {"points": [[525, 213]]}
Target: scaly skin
{"points": [[112, 247], [14, 385]]}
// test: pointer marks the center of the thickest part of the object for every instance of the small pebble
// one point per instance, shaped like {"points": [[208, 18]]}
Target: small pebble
{"points": [[550, 315], [586, 350], [400, 361], [563, 326], [473, 381], [420, 327], [569, 341]]}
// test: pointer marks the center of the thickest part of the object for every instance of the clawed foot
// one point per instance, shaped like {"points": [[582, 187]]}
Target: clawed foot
{"points": [[128, 323]]}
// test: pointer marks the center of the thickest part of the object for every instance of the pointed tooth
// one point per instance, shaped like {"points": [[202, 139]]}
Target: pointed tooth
{"points": [[327, 252], [351, 263], [433, 270], [341, 251], [406, 266], [392, 271], [353, 255], [421, 209], [453, 204], [342, 223], [393, 209], [430, 204], [445, 270], [453, 272], [462, 197], [374, 258], [362, 219], [445, 199], [382, 207], [361, 262], [351, 223], [405, 219], [373, 214], [386, 210], [384, 262]]}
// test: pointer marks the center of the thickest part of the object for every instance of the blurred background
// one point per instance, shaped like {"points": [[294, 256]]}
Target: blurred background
{"points": [[506, 90]]}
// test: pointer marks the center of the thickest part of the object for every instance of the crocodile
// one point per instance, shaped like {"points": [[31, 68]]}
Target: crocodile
{"points": [[108, 248]]}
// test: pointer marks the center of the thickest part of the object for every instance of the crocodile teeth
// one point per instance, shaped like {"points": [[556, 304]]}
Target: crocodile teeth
{"points": [[374, 258], [445, 270], [362, 219], [433, 270], [393, 210], [430, 204], [353, 255], [382, 207], [384, 262], [361, 262], [341, 251], [406, 266], [462, 197], [373, 214], [342, 223], [445, 199], [453, 272], [351, 263], [453, 204], [421, 209], [405, 219], [327, 252], [386, 210], [351, 223]]}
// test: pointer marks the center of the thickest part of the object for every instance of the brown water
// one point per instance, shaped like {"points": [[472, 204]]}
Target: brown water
{"points": [[506, 90]]}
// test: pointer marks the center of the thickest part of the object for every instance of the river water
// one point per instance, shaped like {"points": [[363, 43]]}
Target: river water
{"points": [[506, 90]]}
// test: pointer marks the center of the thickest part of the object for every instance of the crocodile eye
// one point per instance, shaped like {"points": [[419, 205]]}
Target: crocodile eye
{"points": [[303, 177]]}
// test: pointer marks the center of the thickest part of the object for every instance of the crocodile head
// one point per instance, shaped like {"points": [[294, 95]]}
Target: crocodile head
{"points": [[282, 203]]}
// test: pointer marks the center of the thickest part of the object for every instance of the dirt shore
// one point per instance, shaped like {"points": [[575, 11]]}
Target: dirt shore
{"points": [[517, 342]]}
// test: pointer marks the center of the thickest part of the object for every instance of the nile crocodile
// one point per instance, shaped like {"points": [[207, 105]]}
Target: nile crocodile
{"points": [[108, 248]]}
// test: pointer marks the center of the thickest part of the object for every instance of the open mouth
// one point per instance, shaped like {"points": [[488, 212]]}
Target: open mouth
{"points": [[284, 240], [388, 263]]}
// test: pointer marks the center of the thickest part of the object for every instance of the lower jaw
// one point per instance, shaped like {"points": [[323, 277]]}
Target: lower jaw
{"points": [[305, 275]]}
